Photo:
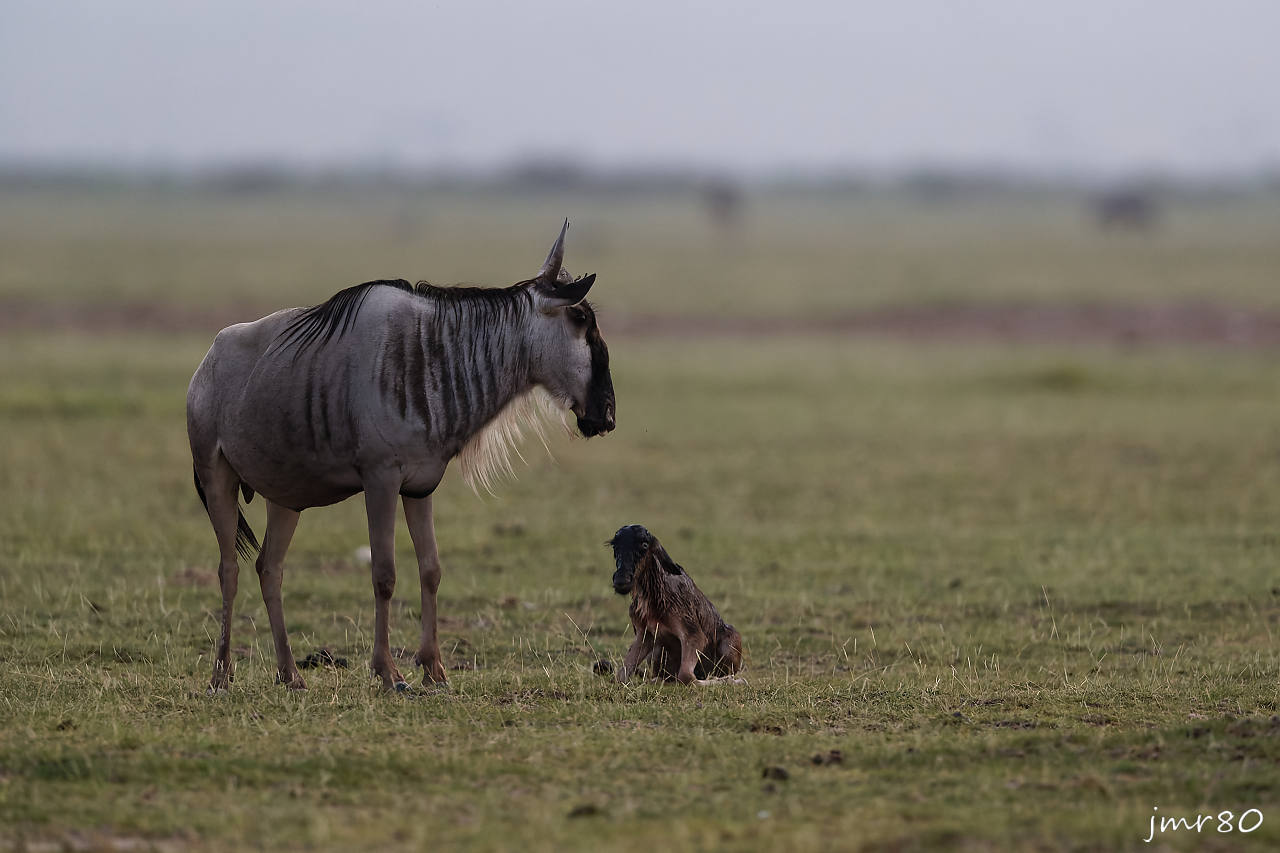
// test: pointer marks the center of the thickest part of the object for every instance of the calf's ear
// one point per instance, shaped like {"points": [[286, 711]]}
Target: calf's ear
{"points": [[669, 565]]}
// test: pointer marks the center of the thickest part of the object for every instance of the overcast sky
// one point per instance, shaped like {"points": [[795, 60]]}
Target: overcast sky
{"points": [[1113, 85]]}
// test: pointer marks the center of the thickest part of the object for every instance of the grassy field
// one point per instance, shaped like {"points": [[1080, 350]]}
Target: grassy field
{"points": [[1028, 593], [792, 256]]}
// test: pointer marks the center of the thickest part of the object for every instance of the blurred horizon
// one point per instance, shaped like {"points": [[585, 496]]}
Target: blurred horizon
{"points": [[1094, 95], [547, 173], [861, 166]]}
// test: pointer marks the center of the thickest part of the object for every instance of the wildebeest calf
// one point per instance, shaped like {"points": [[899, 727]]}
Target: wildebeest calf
{"points": [[678, 630]]}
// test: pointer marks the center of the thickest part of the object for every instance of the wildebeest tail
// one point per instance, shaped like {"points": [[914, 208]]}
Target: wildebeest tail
{"points": [[246, 542]]}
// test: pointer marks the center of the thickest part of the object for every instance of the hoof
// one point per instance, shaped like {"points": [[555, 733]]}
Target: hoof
{"points": [[432, 669], [292, 680], [410, 691]]}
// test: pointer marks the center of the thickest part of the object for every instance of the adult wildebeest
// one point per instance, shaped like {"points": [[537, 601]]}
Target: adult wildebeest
{"points": [[375, 391]]}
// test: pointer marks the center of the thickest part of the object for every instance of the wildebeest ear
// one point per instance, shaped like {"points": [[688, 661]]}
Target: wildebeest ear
{"points": [[669, 565], [563, 295]]}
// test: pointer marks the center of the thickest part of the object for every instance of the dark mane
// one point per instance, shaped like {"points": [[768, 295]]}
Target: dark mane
{"points": [[487, 306], [332, 318]]}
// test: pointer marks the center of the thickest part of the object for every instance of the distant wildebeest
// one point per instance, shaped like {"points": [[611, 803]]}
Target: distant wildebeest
{"points": [[723, 201], [1132, 209], [678, 630], [375, 391]]}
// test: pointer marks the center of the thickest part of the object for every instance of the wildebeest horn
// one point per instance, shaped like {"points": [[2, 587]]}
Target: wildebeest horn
{"points": [[551, 268]]}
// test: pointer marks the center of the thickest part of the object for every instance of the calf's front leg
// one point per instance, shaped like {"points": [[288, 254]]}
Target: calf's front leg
{"points": [[640, 649]]}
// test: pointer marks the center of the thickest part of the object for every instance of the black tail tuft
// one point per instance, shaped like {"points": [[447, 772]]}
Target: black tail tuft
{"points": [[200, 489], [246, 542]]}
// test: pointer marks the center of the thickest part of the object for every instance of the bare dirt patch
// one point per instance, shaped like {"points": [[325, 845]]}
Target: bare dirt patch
{"points": [[1202, 323]]}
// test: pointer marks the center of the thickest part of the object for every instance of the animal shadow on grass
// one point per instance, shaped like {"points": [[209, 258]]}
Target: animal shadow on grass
{"points": [[320, 658]]}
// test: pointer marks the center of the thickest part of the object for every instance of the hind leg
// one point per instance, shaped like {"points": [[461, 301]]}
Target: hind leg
{"points": [[729, 652], [281, 523], [380, 505], [691, 646], [220, 484], [665, 660]]}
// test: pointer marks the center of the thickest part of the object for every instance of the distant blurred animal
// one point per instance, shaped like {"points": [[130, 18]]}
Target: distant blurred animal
{"points": [[678, 630], [1130, 209], [723, 202]]}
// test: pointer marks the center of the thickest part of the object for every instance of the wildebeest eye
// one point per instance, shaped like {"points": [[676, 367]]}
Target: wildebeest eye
{"points": [[644, 546], [577, 315]]}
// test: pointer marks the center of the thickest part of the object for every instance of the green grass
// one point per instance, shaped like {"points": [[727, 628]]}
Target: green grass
{"points": [[1029, 593], [791, 257], [1025, 613]]}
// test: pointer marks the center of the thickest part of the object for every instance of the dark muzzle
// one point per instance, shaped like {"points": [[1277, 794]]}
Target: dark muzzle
{"points": [[629, 544], [623, 579], [598, 417], [592, 426]]}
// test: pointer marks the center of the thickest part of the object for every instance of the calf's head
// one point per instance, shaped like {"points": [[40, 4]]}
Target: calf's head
{"points": [[633, 546], [568, 355]]}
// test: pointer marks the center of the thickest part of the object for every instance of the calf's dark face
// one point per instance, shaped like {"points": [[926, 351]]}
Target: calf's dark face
{"points": [[630, 545]]}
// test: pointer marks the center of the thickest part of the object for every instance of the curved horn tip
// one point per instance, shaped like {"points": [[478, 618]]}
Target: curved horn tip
{"points": [[555, 258]]}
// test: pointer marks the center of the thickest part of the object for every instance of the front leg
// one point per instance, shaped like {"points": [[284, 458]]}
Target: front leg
{"points": [[380, 506], [640, 649], [417, 512]]}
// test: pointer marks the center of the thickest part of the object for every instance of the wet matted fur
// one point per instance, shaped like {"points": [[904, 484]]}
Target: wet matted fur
{"points": [[678, 630]]}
